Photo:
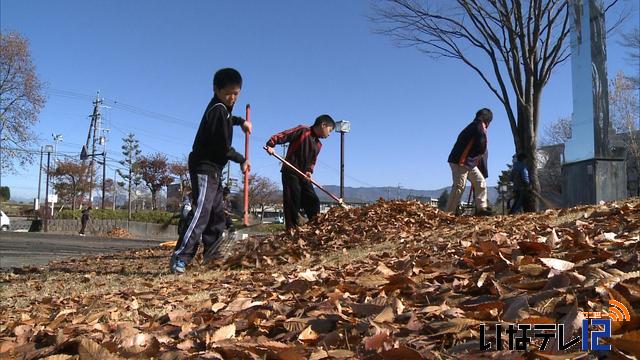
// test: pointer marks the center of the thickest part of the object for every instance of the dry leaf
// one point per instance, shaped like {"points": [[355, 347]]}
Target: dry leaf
{"points": [[385, 316], [308, 335], [223, 333], [557, 264]]}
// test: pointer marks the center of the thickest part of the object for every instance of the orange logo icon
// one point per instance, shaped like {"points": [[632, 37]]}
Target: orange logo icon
{"points": [[617, 311]]}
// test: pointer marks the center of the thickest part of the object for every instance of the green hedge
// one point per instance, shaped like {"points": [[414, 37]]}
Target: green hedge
{"points": [[157, 217]]}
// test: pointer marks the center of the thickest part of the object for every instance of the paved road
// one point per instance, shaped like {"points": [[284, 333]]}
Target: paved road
{"points": [[21, 248]]}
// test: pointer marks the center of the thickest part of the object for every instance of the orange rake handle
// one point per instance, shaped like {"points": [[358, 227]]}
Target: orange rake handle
{"points": [[246, 174]]}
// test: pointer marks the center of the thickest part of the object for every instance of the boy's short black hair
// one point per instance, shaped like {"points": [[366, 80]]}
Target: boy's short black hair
{"points": [[225, 77], [521, 156], [325, 120], [484, 114]]}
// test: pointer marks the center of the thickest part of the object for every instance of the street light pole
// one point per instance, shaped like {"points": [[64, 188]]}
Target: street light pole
{"points": [[342, 127], [48, 149], [40, 175], [342, 165]]}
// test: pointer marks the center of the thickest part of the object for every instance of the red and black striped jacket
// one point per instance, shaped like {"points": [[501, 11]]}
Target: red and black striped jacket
{"points": [[304, 147]]}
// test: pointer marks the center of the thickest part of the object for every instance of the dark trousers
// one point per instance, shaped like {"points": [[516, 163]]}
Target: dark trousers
{"points": [[207, 221], [84, 222], [521, 201], [298, 193]]}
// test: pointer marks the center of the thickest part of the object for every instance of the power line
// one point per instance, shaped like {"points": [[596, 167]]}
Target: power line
{"points": [[116, 104]]}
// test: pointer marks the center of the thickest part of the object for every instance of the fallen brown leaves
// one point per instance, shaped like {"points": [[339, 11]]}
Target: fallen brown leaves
{"points": [[118, 232], [394, 280]]}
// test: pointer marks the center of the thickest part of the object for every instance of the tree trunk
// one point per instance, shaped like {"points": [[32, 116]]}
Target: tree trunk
{"points": [[153, 199], [73, 195], [129, 207], [527, 142]]}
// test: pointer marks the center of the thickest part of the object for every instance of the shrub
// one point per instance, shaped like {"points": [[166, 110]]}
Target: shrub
{"points": [[156, 217]]}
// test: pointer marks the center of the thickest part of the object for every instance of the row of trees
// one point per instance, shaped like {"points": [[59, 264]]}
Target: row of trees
{"points": [[71, 177]]}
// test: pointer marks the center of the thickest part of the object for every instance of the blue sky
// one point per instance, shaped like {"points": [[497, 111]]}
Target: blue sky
{"points": [[298, 60]]}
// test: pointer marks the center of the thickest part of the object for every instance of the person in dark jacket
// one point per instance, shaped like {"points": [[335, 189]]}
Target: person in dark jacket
{"points": [[521, 184], [304, 147], [209, 155], [84, 219], [468, 158]]}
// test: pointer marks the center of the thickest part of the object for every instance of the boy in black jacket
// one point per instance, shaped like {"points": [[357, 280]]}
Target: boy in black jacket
{"points": [[468, 158], [304, 147], [211, 151]]}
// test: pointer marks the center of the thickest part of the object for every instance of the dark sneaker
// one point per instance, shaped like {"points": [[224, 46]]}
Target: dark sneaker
{"points": [[177, 266]]}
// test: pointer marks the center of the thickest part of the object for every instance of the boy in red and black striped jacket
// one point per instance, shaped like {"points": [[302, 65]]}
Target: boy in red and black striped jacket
{"points": [[304, 147]]}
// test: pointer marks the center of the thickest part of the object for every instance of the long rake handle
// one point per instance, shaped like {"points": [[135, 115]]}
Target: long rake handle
{"points": [[245, 218], [306, 177]]}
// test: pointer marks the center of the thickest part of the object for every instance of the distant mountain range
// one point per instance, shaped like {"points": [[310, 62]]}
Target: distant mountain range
{"points": [[371, 194]]}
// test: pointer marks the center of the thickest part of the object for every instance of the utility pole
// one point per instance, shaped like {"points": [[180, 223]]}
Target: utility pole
{"points": [[48, 149], [115, 184], [94, 126], [103, 141]]}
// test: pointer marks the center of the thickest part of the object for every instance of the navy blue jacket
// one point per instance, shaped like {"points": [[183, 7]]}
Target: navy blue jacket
{"points": [[520, 176], [470, 149]]}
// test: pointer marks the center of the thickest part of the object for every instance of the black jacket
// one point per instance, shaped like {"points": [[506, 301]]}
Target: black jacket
{"points": [[470, 149], [304, 147], [212, 145]]}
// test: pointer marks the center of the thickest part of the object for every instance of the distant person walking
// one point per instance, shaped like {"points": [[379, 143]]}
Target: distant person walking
{"points": [[521, 185], [84, 219], [468, 158]]}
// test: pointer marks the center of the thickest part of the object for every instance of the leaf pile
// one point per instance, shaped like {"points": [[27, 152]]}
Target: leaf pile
{"points": [[118, 232], [393, 280]]}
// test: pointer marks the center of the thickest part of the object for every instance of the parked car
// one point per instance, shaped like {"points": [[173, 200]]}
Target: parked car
{"points": [[5, 222], [279, 220]]}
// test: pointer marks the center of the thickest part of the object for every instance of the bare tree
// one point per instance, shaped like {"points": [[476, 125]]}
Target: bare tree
{"points": [[631, 40], [523, 43], [557, 132], [262, 192], [21, 100], [624, 112], [154, 171], [180, 169]]}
